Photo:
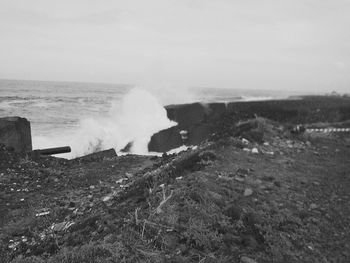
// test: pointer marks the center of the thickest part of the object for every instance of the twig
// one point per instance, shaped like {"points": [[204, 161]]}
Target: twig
{"points": [[165, 199], [136, 217], [143, 229]]}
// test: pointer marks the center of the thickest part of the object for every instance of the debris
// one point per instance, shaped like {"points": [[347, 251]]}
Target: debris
{"points": [[184, 135], [59, 227], [121, 180], [42, 214], [165, 199], [310, 247]]}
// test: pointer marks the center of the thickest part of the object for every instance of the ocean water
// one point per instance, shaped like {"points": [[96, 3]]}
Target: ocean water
{"points": [[95, 116]]}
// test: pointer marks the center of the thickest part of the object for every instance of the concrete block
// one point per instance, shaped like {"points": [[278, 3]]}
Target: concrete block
{"points": [[15, 132]]}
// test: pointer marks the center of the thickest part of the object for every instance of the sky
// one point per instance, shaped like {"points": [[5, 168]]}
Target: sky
{"points": [[246, 44]]}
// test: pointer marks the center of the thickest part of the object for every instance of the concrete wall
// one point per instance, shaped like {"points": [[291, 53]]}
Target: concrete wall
{"points": [[15, 132], [201, 120]]}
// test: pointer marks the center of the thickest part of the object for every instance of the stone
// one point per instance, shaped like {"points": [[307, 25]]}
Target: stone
{"points": [[313, 206], [239, 179], [15, 132], [255, 150], [127, 147], [248, 192], [107, 198], [245, 141], [245, 259]]}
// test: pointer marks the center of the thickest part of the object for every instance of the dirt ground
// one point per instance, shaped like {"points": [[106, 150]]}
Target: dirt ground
{"points": [[283, 199]]}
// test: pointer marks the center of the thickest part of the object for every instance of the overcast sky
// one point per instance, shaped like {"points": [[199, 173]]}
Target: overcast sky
{"points": [[268, 44]]}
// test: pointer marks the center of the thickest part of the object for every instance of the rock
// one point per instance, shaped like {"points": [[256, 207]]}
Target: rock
{"points": [[239, 179], [255, 150], [197, 119], [165, 140], [107, 198], [313, 206], [245, 141], [15, 132], [127, 147], [248, 192], [245, 259]]}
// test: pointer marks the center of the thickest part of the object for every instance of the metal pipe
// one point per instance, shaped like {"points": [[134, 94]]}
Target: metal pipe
{"points": [[56, 150]]}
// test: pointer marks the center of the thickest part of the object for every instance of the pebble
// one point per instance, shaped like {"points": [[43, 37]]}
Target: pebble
{"points": [[255, 150], [248, 192], [245, 259], [107, 198], [239, 179], [245, 141], [313, 206]]}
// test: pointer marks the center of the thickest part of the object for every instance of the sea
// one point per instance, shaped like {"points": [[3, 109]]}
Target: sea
{"points": [[96, 116]]}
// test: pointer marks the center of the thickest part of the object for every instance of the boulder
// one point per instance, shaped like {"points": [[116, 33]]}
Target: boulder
{"points": [[196, 119], [15, 132], [165, 140]]}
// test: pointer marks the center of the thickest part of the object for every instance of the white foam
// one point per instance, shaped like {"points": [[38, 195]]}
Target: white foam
{"points": [[135, 119], [257, 98]]}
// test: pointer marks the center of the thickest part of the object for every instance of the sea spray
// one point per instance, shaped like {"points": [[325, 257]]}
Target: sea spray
{"points": [[134, 119]]}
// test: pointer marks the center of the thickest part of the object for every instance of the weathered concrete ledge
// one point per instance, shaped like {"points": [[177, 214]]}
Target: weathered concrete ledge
{"points": [[201, 120]]}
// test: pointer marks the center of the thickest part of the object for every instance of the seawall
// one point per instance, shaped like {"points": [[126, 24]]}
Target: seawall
{"points": [[201, 120]]}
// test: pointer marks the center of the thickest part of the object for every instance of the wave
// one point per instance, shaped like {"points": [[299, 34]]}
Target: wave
{"points": [[134, 119]]}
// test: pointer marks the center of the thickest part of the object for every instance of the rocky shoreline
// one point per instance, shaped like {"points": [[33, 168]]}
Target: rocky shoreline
{"points": [[250, 191]]}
